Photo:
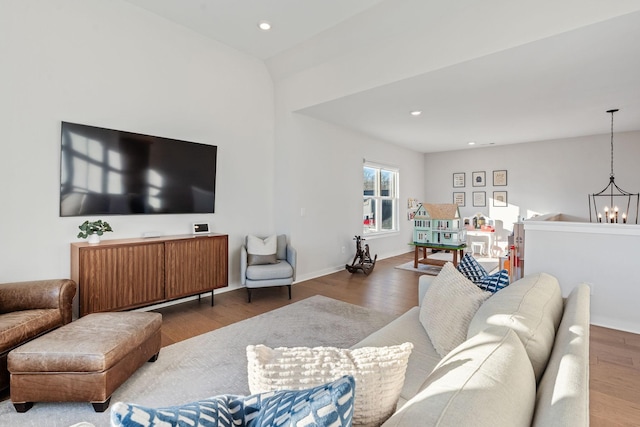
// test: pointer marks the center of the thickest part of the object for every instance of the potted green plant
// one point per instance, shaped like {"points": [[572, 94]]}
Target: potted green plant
{"points": [[92, 230]]}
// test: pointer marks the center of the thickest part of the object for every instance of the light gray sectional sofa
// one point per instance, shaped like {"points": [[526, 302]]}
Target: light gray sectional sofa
{"points": [[525, 361]]}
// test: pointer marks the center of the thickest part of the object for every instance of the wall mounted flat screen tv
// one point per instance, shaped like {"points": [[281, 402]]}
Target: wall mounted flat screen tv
{"points": [[111, 172]]}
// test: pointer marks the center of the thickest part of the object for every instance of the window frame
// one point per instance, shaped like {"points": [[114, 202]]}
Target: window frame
{"points": [[379, 198]]}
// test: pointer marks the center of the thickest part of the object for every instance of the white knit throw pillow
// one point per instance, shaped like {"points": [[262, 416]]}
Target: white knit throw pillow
{"points": [[378, 372], [449, 304]]}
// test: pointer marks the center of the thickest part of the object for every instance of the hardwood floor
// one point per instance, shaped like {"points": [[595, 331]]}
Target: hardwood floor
{"points": [[614, 355], [614, 367], [386, 289]]}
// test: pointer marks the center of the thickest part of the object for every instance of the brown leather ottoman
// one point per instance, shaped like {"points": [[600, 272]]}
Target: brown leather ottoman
{"points": [[85, 360]]}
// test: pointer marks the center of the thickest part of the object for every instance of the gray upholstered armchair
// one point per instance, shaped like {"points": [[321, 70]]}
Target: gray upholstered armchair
{"points": [[278, 272]]}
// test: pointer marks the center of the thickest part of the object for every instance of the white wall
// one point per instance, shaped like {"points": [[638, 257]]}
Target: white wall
{"points": [[542, 177], [319, 169], [114, 65], [601, 255]]}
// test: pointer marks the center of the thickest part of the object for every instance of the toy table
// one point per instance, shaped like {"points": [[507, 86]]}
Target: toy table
{"points": [[425, 260], [489, 235]]}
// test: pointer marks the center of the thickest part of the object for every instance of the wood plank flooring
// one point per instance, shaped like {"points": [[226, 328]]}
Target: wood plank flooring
{"points": [[614, 367], [614, 355], [386, 289]]}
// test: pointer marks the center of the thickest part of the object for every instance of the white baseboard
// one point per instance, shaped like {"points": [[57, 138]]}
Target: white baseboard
{"points": [[191, 298], [619, 324], [335, 269]]}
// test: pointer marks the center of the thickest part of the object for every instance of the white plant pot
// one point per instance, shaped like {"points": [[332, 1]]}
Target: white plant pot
{"points": [[93, 238]]}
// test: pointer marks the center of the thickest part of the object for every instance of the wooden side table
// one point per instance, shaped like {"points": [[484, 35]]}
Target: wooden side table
{"points": [[425, 260]]}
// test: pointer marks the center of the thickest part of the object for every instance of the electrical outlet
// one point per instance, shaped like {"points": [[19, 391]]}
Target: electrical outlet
{"points": [[343, 249]]}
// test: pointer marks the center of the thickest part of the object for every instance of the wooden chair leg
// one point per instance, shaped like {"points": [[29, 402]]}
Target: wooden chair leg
{"points": [[248, 295], [289, 286]]}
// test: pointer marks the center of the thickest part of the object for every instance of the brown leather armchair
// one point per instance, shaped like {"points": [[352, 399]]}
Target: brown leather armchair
{"points": [[30, 309]]}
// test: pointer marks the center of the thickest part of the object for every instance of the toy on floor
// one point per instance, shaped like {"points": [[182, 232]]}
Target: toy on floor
{"points": [[362, 260]]}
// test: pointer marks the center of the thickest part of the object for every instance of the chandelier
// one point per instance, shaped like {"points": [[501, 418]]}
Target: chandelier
{"points": [[612, 204]]}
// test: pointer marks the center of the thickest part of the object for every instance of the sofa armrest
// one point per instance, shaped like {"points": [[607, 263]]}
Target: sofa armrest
{"points": [[39, 294], [243, 265], [563, 392], [423, 284], [292, 258]]}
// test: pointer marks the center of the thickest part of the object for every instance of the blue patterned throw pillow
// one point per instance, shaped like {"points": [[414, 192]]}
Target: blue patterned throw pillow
{"points": [[328, 404], [471, 269], [494, 282], [211, 412]]}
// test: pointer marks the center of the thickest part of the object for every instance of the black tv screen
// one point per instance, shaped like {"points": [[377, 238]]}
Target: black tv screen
{"points": [[111, 172]]}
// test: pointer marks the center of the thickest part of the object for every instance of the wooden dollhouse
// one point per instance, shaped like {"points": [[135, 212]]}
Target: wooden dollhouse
{"points": [[439, 224]]}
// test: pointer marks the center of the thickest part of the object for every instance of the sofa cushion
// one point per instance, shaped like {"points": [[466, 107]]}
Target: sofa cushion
{"points": [[378, 371], [486, 381], [423, 358], [448, 306], [280, 270], [261, 251], [328, 404], [19, 326], [91, 344], [532, 307], [563, 393]]}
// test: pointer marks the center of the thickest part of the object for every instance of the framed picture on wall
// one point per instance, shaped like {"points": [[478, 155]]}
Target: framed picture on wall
{"points": [[479, 179], [499, 178], [459, 199], [479, 198], [499, 199], [458, 180]]}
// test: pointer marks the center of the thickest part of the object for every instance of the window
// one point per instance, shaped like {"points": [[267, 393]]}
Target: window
{"points": [[380, 202]]}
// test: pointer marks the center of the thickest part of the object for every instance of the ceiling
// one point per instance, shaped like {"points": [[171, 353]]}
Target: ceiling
{"points": [[235, 22], [557, 86]]}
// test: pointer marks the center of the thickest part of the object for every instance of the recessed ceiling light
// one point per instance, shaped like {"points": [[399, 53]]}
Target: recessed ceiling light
{"points": [[264, 25], [472, 143], [416, 112]]}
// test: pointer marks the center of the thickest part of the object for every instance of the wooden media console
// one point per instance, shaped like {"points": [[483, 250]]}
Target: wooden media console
{"points": [[123, 274]]}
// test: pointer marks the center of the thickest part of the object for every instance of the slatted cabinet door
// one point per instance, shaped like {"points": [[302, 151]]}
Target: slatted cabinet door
{"points": [[120, 277], [196, 265]]}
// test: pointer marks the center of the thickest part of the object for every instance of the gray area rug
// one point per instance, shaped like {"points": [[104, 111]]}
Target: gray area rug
{"points": [[489, 264], [215, 363]]}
